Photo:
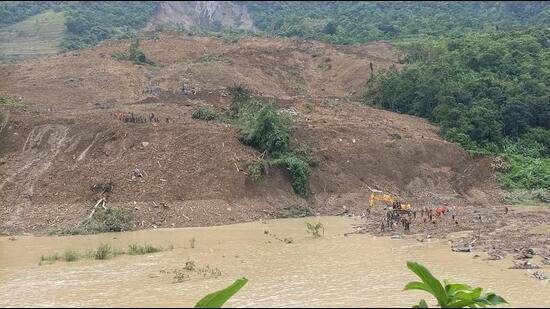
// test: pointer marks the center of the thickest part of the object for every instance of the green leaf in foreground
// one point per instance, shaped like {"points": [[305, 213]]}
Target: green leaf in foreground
{"points": [[450, 295], [217, 299], [430, 284], [422, 304]]}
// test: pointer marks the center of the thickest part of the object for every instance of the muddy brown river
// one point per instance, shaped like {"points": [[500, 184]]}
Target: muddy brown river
{"points": [[332, 271]]}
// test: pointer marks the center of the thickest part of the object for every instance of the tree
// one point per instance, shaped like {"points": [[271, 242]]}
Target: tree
{"points": [[515, 118], [330, 27]]}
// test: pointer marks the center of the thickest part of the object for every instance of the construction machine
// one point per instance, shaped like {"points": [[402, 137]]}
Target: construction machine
{"points": [[390, 200]]}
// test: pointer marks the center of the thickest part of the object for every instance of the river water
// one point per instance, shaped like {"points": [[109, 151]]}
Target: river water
{"points": [[331, 271]]}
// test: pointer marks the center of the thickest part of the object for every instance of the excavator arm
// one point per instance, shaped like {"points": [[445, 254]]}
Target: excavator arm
{"points": [[386, 198], [389, 200]]}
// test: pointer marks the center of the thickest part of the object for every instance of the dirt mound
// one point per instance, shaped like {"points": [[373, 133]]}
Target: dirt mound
{"points": [[68, 140]]}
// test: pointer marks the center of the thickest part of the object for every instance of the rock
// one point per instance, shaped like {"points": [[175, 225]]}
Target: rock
{"points": [[538, 275], [463, 248], [396, 237], [145, 144], [525, 265]]}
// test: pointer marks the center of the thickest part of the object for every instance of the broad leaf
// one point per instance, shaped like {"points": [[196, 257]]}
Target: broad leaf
{"points": [[422, 304], [435, 287], [451, 289], [493, 299], [461, 304], [217, 299], [415, 285], [467, 295]]}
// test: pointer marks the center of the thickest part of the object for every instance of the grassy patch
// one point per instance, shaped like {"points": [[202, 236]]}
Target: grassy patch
{"points": [[50, 258], [208, 58], [329, 103], [294, 211], [33, 37], [519, 196], [71, 256], [204, 113], [192, 270], [6, 101], [136, 249], [102, 252]]}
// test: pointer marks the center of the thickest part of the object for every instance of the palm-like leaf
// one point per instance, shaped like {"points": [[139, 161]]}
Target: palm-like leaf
{"points": [[430, 283], [217, 299]]}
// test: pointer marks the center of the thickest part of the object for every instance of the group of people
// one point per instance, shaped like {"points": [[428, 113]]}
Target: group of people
{"points": [[131, 118], [394, 218], [427, 214]]}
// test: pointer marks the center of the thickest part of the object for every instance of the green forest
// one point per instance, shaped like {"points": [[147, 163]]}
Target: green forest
{"points": [[347, 22], [486, 91]]}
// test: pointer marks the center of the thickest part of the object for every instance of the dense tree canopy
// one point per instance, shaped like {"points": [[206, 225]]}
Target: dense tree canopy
{"points": [[345, 22], [488, 92]]}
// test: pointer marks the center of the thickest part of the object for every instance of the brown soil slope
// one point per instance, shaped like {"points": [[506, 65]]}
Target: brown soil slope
{"points": [[67, 140]]}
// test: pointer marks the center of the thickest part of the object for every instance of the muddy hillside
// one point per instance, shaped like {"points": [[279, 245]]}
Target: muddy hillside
{"points": [[66, 142]]}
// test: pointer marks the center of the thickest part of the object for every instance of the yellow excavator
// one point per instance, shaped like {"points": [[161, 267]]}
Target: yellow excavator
{"points": [[390, 201]]}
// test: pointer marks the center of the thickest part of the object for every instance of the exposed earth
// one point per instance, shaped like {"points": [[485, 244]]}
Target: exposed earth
{"points": [[66, 140]]}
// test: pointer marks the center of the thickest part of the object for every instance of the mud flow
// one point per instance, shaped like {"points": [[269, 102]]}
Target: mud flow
{"points": [[333, 270]]}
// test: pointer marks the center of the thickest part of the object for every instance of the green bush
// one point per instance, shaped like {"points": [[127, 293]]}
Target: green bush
{"points": [[266, 130], [240, 95], [133, 54], [204, 113], [103, 221], [257, 169], [305, 153], [298, 171], [526, 173], [315, 228]]}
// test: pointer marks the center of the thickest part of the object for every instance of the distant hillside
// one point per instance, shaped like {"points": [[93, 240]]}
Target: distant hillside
{"points": [[342, 22], [39, 35], [211, 15]]}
